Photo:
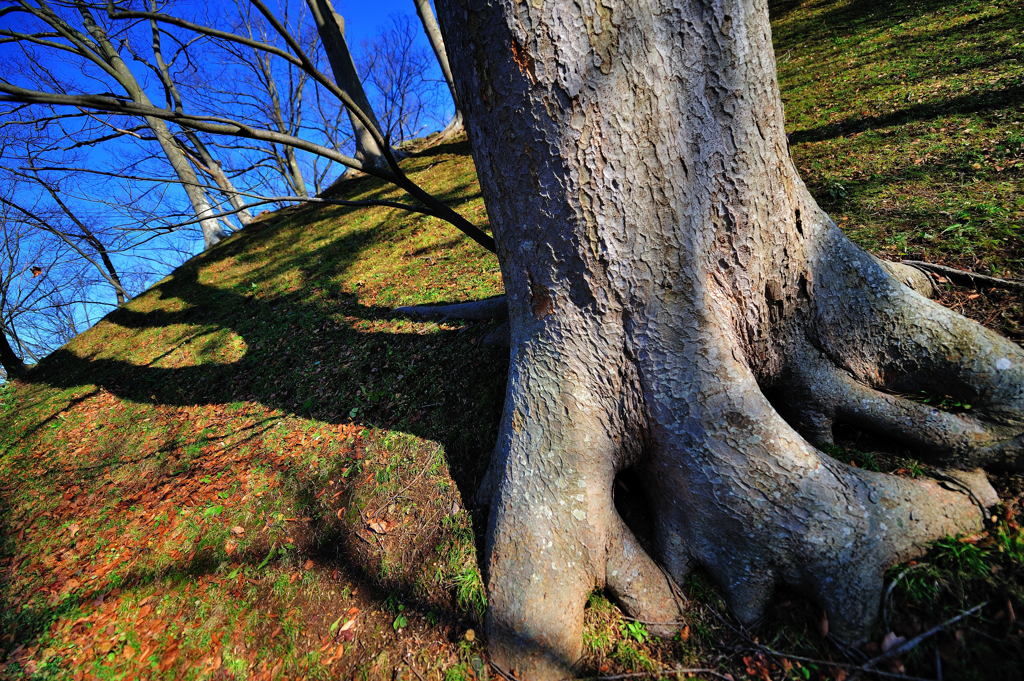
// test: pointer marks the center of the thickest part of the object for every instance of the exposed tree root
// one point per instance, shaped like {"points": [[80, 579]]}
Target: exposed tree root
{"points": [[639, 584], [911, 276], [734, 488], [488, 309], [820, 395], [965, 277]]}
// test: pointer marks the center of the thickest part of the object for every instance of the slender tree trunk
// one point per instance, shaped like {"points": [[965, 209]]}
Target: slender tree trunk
{"points": [[109, 271], [679, 306], [211, 227], [201, 156], [294, 174], [433, 32], [331, 27], [289, 165], [212, 167], [213, 232]]}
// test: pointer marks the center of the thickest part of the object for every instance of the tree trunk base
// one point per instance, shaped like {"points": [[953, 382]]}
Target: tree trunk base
{"points": [[734, 480], [681, 308]]}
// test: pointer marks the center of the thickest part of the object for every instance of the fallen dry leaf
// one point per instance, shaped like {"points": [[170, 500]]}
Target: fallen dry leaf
{"points": [[890, 641], [347, 632]]}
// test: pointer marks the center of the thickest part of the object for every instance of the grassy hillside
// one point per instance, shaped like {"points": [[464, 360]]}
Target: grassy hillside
{"points": [[255, 471], [906, 120]]}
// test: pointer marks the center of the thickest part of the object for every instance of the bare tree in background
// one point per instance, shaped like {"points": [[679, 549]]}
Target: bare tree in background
{"points": [[64, 224], [92, 43], [10, 360], [433, 32], [332, 37], [84, 237], [372, 146], [273, 90], [42, 286], [396, 70], [193, 147]]}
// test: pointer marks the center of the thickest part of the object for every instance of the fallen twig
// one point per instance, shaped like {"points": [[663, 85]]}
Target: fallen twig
{"points": [[659, 672], [402, 491], [966, 277], [887, 598], [907, 646], [849, 666], [857, 669]]}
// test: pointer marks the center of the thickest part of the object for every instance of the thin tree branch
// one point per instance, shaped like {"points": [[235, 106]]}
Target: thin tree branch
{"points": [[966, 277], [907, 646]]}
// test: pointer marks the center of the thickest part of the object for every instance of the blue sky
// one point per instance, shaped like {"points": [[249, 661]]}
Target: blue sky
{"points": [[364, 22]]}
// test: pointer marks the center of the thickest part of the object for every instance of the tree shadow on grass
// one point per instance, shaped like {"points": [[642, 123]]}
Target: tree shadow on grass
{"points": [[300, 358], [974, 102], [854, 17], [315, 351]]}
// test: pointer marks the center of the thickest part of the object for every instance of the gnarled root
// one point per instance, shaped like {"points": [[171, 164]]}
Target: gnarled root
{"points": [[554, 533], [738, 491], [911, 276], [733, 486], [875, 343]]}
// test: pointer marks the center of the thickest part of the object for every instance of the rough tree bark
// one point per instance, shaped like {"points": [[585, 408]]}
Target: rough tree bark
{"points": [[680, 306]]}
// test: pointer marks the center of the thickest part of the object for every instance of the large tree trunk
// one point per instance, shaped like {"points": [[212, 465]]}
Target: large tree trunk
{"points": [[681, 307]]}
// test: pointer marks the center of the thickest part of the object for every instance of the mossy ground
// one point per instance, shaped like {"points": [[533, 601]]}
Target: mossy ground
{"points": [[256, 471]]}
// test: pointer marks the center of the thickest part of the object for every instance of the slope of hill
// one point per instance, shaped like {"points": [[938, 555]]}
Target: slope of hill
{"points": [[255, 453], [255, 470]]}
